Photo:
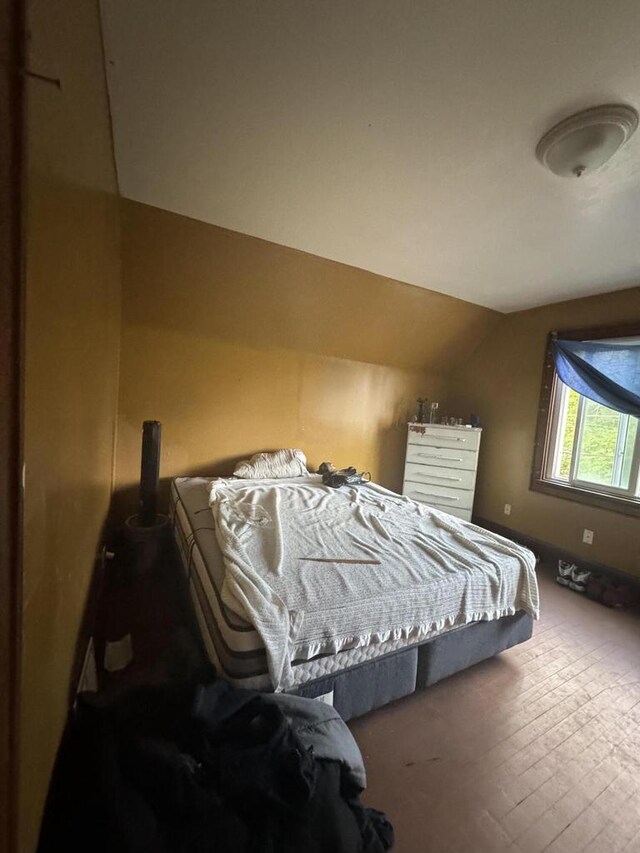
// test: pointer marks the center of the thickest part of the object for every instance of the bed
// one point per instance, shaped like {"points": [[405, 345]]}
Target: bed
{"points": [[359, 670]]}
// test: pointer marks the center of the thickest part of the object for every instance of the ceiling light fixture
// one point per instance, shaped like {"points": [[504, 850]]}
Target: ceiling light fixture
{"points": [[585, 141]]}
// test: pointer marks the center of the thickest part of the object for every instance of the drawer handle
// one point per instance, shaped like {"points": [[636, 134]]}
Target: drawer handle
{"points": [[439, 477], [439, 497], [439, 456], [449, 438]]}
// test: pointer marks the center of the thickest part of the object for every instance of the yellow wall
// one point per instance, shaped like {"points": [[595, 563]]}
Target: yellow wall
{"points": [[72, 284], [238, 345], [502, 383]]}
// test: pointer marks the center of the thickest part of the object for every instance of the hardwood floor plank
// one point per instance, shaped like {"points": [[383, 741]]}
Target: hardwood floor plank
{"points": [[535, 750]]}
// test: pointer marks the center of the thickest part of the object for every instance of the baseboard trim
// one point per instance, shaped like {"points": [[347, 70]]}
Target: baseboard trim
{"points": [[551, 553]]}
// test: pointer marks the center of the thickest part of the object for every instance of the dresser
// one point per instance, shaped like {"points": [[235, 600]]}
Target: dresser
{"points": [[440, 468]]}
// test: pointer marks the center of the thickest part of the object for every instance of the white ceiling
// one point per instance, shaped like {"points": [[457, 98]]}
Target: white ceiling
{"points": [[393, 135]]}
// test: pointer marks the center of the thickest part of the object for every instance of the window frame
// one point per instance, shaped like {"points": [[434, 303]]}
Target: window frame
{"points": [[546, 430]]}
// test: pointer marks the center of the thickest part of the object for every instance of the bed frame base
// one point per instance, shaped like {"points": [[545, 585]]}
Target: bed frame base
{"points": [[370, 685]]}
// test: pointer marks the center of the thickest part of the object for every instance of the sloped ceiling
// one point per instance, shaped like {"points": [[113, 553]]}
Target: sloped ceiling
{"points": [[198, 280], [397, 136]]}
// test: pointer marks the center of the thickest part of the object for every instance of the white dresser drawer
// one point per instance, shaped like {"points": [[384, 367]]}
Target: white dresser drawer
{"points": [[443, 457], [438, 475], [464, 514], [440, 469], [433, 435], [439, 496]]}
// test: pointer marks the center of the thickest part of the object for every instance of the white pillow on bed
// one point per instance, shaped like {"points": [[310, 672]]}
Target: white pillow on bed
{"points": [[288, 462]]}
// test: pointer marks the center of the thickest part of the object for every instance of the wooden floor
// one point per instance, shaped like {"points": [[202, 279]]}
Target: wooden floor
{"points": [[537, 749]]}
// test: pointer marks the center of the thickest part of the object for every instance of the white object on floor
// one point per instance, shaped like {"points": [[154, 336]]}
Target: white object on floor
{"points": [[118, 654], [88, 681]]}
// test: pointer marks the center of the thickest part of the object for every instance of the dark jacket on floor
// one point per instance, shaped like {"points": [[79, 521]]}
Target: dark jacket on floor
{"points": [[212, 769]]}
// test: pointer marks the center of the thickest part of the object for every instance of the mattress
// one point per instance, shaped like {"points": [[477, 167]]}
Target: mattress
{"points": [[318, 570], [231, 642]]}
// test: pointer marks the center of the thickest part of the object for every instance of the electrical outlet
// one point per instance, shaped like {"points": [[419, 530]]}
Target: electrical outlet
{"points": [[587, 537], [507, 509]]}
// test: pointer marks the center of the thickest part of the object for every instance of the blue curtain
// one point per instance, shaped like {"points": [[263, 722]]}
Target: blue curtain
{"points": [[609, 374]]}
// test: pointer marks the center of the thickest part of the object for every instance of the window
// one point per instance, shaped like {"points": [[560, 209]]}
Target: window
{"points": [[585, 451], [592, 447]]}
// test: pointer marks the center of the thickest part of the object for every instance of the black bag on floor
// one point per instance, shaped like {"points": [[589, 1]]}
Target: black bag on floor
{"points": [[146, 774]]}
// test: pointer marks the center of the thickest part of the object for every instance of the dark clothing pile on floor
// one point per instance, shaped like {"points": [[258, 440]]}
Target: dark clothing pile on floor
{"points": [[209, 769]]}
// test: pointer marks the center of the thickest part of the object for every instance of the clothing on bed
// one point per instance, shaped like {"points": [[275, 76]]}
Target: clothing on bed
{"points": [[315, 569]]}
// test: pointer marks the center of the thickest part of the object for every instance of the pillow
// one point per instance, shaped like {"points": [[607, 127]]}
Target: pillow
{"points": [[288, 462]]}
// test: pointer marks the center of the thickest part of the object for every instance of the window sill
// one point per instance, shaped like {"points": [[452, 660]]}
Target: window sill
{"points": [[601, 500]]}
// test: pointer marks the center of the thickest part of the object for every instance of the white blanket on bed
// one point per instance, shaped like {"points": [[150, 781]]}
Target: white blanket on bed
{"points": [[316, 569]]}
